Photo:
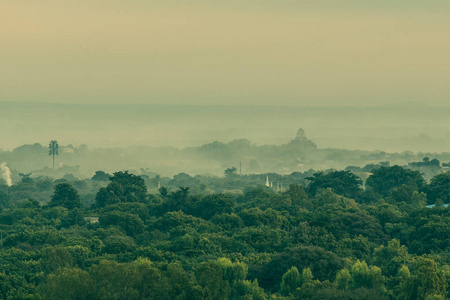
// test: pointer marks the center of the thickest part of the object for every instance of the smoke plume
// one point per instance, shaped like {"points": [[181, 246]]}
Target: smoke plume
{"points": [[6, 174]]}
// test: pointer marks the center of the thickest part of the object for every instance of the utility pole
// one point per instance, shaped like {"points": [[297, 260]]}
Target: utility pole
{"points": [[53, 146], [240, 168]]}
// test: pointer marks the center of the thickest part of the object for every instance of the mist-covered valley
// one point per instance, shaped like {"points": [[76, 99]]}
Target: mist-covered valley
{"points": [[168, 140], [230, 214], [224, 150]]}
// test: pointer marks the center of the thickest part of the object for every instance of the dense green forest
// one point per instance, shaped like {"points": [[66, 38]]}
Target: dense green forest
{"points": [[311, 235]]}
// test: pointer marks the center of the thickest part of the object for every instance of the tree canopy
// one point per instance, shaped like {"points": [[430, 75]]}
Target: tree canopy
{"points": [[384, 179], [228, 237]]}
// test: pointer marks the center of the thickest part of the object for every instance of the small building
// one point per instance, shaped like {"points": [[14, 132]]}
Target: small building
{"points": [[434, 205], [91, 220]]}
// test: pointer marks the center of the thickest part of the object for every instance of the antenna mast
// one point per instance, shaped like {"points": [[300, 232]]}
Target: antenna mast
{"points": [[54, 150]]}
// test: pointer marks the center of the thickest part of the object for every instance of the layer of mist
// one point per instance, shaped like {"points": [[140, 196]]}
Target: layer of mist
{"points": [[393, 129]]}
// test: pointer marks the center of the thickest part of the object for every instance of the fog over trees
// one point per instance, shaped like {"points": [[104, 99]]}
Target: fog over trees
{"points": [[391, 128], [274, 223], [224, 150]]}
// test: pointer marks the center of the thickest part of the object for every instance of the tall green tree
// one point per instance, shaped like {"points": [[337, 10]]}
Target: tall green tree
{"points": [[210, 277], [68, 284], [425, 282], [66, 196], [343, 183], [384, 179], [439, 188], [124, 187], [363, 276], [290, 281]]}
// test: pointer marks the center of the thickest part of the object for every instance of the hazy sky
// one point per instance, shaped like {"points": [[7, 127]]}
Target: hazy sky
{"points": [[276, 52]]}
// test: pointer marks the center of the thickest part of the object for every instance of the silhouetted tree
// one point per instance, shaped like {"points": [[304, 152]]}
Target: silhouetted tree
{"points": [[66, 196], [343, 183], [384, 179], [101, 176]]}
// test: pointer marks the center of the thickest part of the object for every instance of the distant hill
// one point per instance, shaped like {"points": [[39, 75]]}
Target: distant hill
{"points": [[397, 128], [297, 154]]}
